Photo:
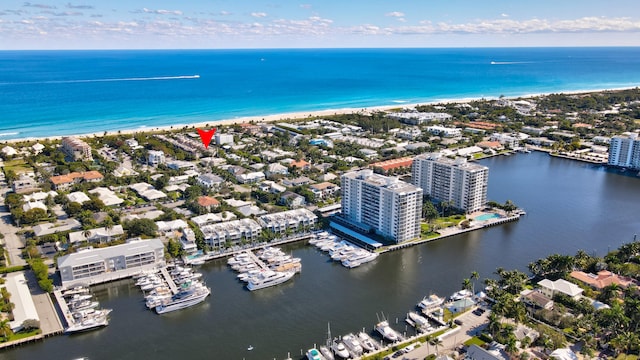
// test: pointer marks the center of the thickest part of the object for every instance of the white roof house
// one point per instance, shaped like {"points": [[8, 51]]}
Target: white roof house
{"points": [[563, 354], [78, 197], [171, 225], [34, 205], [147, 191], [107, 196], [39, 196], [550, 288], [96, 234], [9, 151]]}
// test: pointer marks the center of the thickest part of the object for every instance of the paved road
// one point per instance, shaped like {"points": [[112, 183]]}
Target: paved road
{"points": [[12, 242], [49, 319], [472, 324]]}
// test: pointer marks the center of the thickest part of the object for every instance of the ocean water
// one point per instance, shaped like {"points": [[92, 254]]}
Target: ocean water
{"points": [[47, 93]]}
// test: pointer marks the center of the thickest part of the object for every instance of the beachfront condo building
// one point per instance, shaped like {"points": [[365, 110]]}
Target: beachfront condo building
{"points": [[624, 151], [385, 204], [95, 266], [76, 148], [462, 184], [155, 157]]}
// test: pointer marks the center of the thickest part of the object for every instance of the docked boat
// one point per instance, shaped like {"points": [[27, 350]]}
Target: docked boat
{"points": [[352, 344], [86, 324], [386, 331], [184, 299], [339, 349], [83, 305], [358, 259], [268, 278], [314, 354], [79, 297], [326, 353], [367, 342], [462, 294], [75, 290], [431, 302], [417, 320]]}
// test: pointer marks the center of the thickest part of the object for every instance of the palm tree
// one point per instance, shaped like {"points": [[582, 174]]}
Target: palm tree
{"points": [[494, 324], [474, 276], [86, 233], [108, 225], [436, 342], [5, 328], [466, 284], [428, 339]]}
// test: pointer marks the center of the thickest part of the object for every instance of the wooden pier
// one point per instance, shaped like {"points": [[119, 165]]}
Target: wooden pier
{"points": [[169, 280]]}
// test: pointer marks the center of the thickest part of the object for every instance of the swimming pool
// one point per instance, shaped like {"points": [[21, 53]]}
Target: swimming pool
{"points": [[485, 217]]}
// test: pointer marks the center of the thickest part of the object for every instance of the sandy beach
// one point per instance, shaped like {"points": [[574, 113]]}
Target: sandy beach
{"points": [[302, 115]]}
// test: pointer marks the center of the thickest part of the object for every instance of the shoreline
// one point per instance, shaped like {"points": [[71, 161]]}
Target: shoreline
{"points": [[300, 115]]}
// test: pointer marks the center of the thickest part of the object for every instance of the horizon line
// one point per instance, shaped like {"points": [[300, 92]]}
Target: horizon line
{"points": [[334, 48]]}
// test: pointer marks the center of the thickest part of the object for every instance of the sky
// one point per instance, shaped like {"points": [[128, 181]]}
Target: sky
{"points": [[229, 24]]}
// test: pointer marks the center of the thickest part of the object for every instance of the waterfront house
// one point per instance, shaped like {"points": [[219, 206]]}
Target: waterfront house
{"points": [[279, 222], [95, 266], [550, 288], [230, 232], [536, 299], [603, 279]]}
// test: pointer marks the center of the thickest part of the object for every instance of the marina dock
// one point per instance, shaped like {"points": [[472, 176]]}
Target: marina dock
{"points": [[169, 280]]}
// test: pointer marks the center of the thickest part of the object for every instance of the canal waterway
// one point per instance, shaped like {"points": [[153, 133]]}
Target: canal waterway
{"points": [[570, 206]]}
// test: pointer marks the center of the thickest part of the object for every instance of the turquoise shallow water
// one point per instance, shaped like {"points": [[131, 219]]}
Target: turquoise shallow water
{"points": [[76, 92]]}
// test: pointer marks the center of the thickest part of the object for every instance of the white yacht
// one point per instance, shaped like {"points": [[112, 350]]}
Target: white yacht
{"points": [[419, 321], [184, 299], [88, 323], [358, 259], [268, 278], [352, 343], [386, 331], [367, 342], [462, 294], [326, 352], [431, 302], [339, 349]]}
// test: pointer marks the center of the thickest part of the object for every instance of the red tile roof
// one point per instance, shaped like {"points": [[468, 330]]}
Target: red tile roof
{"points": [[206, 201]]}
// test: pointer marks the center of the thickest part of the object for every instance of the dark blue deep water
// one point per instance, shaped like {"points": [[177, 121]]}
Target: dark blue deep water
{"points": [[77, 92]]}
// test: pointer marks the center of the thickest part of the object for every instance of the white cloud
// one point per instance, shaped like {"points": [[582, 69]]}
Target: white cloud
{"points": [[504, 15], [162, 12], [258, 14], [395, 14]]}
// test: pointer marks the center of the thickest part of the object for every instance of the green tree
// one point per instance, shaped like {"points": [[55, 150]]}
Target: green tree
{"points": [[137, 227], [436, 342], [429, 211], [5, 329], [474, 276], [466, 284]]}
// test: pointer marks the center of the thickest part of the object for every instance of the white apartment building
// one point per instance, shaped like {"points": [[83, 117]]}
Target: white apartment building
{"points": [[624, 151], [222, 139], [445, 131], [293, 219], [233, 232], [94, 266], [155, 157], [390, 206], [455, 180]]}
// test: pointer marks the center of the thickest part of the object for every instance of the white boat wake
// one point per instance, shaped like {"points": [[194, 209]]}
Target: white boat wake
{"points": [[180, 77]]}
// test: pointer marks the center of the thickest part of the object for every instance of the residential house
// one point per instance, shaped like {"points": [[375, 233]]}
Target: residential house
{"points": [[34, 205], [107, 196], [299, 181], [536, 299], [62, 182], [292, 200], [208, 202], [250, 178], [603, 279], [210, 180], [276, 169], [9, 151], [271, 187], [96, 235], [324, 190], [300, 164], [475, 352], [551, 288], [155, 157], [24, 184], [147, 191], [78, 197]]}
